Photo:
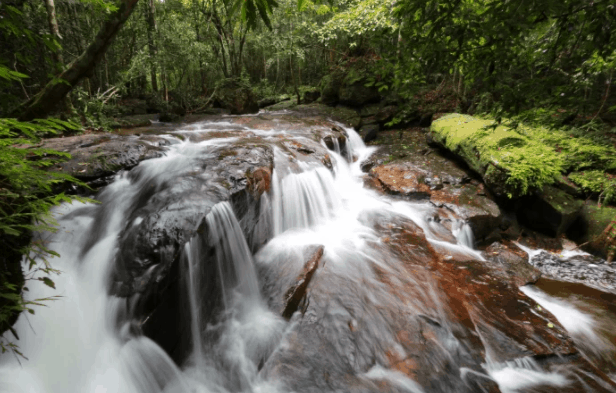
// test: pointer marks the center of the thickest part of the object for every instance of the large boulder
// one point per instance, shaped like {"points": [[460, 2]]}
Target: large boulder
{"points": [[330, 86], [357, 94], [237, 97], [96, 158], [590, 226], [551, 211]]}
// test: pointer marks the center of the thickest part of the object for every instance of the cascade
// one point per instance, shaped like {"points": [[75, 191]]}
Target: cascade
{"points": [[378, 314]]}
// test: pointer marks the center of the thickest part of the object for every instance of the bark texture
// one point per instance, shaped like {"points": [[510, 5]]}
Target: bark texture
{"points": [[55, 91]]}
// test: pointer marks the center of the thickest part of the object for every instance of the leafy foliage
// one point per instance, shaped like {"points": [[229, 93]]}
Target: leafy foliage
{"points": [[27, 192]]}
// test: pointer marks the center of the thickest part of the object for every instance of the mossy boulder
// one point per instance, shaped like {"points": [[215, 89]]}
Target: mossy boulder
{"points": [[330, 85], [590, 226], [516, 159], [510, 163], [551, 211], [357, 94], [236, 96]]}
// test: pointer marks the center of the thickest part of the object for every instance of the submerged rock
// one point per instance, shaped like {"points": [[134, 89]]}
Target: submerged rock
{"points": [[297, 293]]}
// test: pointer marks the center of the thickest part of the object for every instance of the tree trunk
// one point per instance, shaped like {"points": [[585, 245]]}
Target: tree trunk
{"points": [[55, 32], [151, 19], [56, 54], [55, 91]]}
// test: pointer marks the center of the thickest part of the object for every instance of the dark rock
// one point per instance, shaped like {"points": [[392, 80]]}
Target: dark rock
{"points": [[551, 211], [368, 121], [386, 114], [369, 132], [370, 110], [296, 294], [168, 117], [586, 269], [330, 86], [483, 214], [426, 120], [101, 156], [514, 263], [311, 96], [357, 94], [589, 227], [237, 97]]}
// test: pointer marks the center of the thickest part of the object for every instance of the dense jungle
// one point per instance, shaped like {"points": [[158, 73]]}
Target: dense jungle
{"points": [[307, 196]]}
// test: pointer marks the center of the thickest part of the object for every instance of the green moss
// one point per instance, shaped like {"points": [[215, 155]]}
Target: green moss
{"points": [[499, 153], [596, 181], [518, 157]]}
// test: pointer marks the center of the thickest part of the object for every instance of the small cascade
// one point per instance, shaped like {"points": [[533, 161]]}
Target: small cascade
{"points": [[524, 373], [384, 309], [191, 260], [245, 332], [233, 256], [464, 234], [592, 332], [301, 200]]}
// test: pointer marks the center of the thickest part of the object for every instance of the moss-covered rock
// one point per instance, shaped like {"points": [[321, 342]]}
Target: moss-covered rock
{"points": [[590, 226], [237, 97], [515, 159], [510, 163], [551, 211], [357, 94], [330, 85]]}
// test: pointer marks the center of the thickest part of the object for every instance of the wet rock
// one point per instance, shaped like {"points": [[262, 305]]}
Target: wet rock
{"points": [[236, 97], [551, 211], [483, 214], [369, 132], [402, 180], [514, 263], [588, 229], [357, 94], [345, 341], [169, 210], [311, 96], [297, 293], [98, 157], [586, 269]]}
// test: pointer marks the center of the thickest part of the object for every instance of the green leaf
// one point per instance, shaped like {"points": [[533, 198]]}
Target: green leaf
{"points": [[47, 281]]}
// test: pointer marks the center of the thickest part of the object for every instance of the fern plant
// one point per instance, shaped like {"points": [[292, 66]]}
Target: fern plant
{"points": [[27, 193]]}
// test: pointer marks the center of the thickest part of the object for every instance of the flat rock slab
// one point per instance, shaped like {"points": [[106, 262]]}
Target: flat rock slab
{"points": [[586, 269], [402, 180]]}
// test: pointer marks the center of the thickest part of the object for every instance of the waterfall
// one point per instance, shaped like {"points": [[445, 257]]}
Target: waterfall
{"points": [[377, 280]]}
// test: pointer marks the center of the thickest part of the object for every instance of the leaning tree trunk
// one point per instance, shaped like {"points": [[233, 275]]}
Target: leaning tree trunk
{"points": [[57, 53], [55, 91]]}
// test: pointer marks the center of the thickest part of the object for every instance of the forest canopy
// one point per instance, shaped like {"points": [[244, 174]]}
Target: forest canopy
{"points": [[72, 65]]}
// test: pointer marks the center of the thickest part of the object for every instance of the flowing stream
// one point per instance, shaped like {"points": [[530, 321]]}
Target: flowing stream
{"points": [[87, 342]]}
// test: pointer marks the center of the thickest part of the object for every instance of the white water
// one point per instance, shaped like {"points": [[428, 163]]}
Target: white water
{"points": [[521, 374], [73, 346]]}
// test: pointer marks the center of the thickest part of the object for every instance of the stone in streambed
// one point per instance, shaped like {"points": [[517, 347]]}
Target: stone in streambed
{"points": [[551, 211], [482, 214], [514, 263], [402, 180], [588, 230], [297, 293]]}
